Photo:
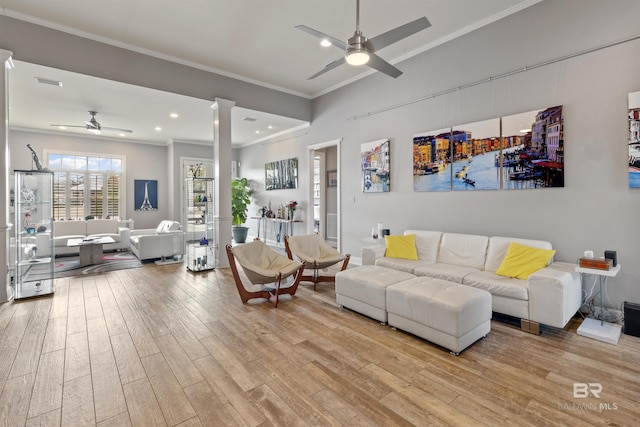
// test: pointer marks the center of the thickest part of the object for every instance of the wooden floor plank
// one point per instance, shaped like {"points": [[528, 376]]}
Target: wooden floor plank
{"points": [[108, 396], [77, 363], [127, 359], [144, 409], [14, 400], [47, 390], [77, 403], [173, 402]]}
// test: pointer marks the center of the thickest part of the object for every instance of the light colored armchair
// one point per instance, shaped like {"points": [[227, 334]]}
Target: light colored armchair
{"points": [[265, 269], [318, 257], [167, 240]]}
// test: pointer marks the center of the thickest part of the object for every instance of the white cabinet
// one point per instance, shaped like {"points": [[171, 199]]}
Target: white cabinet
{"points": [[33, 273], [199, 229]]}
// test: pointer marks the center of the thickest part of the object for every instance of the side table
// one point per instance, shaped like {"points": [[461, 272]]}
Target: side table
{"points": [[594, 328]]}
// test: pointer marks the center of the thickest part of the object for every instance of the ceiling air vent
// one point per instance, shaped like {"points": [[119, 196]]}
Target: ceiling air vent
{"points": [[249, 119], [48, 81]]}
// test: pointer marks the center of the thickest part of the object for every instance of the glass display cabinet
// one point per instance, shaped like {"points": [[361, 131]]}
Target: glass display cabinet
{"points": [[33, 273], [199, 230]]}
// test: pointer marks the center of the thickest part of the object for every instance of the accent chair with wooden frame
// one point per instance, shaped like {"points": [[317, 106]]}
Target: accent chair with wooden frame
{"points": [[317, 254], [263, 266]]}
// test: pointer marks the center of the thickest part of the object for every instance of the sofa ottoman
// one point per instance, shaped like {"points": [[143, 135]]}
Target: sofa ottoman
{"points": [[451, 315], [363, 289]]}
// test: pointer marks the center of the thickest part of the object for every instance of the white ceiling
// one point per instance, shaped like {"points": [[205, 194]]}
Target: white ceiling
{"points": [[251, 40]]}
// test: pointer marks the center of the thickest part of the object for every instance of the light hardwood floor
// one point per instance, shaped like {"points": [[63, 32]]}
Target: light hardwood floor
{"points": [[158, 346]]}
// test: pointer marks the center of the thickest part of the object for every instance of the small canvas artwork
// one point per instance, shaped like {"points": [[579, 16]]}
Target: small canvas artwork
{"points": [[375, 166], [282, 174], [145, 195], [634, 140]]}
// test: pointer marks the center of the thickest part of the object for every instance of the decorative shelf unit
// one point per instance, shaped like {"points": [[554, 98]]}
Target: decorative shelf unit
{"points": [[199, 230], [33, 274]]}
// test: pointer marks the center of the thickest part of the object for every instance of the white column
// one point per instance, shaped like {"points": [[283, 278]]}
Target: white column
{"points": [[5, 57], [222, 161]]}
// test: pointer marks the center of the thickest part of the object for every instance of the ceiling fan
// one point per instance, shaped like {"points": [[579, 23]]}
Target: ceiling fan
{"points": [[360, 51], [93, 126]]}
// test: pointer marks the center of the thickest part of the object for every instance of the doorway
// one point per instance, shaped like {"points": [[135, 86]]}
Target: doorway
{"points": [[324, 184]]}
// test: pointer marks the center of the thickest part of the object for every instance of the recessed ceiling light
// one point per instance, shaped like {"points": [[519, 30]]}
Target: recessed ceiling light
{"points": [[158, 128], [48, 81], [62, 127], [122, 134], [325, 43], [257, 131], [174, 115], [270, 127]]}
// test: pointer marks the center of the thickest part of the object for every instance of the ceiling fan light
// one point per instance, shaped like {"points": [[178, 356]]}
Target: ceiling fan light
{"points": [[357, 57]]}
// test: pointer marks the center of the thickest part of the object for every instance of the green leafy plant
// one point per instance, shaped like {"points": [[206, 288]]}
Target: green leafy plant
{"points": [[240, 201]]}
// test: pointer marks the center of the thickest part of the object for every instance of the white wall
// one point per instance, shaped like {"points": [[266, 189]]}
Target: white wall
{"points": [[595, 210]]}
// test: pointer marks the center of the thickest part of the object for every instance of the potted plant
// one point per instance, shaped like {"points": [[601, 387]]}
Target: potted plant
{"points": [[240, 201]]}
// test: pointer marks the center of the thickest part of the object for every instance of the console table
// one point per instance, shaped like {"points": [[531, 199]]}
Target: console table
{"points": [[279, 225], [594, 328]]}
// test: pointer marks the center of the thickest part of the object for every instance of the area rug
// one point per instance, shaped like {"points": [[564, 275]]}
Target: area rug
{"points": [[70, 266]]}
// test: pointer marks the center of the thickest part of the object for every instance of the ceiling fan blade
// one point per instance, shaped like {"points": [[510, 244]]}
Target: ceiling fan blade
{"points": [[334, 41], [69, 126], [383, 66], [329, 67], [116, 129], [385, 39]]}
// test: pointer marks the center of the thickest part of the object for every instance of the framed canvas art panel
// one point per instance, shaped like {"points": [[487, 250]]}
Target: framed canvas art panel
{"points": [[431, 166], [375, 166], [533, 154], [145, 194], [282, 174], [475, 149], [634, 140]]}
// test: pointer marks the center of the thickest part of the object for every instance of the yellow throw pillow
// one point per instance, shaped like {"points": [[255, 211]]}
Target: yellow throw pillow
{"points": [[521, 261], [403, 247]]}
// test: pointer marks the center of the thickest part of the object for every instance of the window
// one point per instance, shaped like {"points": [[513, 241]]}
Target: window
{"points": [[86, 184]]}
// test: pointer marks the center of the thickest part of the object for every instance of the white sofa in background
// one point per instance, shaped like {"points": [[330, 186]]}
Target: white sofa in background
{"points": [[77, 229], [551, 295], [166, 240]]}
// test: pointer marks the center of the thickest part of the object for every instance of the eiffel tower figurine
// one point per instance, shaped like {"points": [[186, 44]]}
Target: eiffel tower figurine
{"points": [[146, 204]]}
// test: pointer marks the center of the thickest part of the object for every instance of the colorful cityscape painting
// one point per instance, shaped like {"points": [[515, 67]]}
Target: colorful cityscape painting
{"points": [[634, 140], [375, 166], [524, 150]]}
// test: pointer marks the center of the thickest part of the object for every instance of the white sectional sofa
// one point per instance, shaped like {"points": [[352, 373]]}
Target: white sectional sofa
{"points": [[551, 295], [76, 229]]}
